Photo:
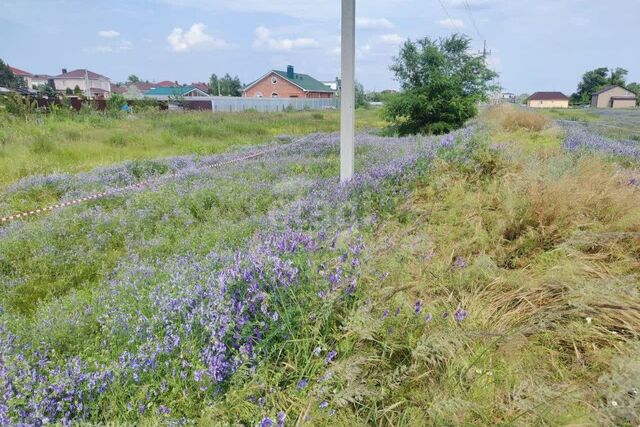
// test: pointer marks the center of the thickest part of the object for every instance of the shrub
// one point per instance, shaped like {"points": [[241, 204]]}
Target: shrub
{"points": [[513, 119]]}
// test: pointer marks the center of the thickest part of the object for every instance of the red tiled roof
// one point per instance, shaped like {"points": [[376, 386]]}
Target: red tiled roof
{"points": [[118, 89], [202, 86], [19, 72], [165, 83], [548, 96], [143, 87], [80, 74]]}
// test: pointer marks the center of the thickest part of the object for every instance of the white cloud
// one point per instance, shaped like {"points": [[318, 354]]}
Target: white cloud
{"points": [[373, 23], [264, 39], [109, 34], [195, 38], [393, 39], [451, 23], [121, 46]]}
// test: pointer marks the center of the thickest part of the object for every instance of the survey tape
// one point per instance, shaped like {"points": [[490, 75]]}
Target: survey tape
{"points": [[108, 193]]}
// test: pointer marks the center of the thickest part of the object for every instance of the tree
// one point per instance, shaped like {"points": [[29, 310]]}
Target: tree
{"points": [[361, 96], [77, 91], [213, 85], [225, 86], [133, 79], [48, 91], [68, 91], [442, 83], [635, 87], [618, 77], [8, 79], [594, 80], [522, 98]]}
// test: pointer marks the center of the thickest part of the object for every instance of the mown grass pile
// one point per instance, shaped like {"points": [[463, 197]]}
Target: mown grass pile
{"points": [[487, 277]]}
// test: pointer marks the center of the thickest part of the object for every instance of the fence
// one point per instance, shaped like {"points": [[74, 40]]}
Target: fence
{"points": [[221, 104], [236, 104]]}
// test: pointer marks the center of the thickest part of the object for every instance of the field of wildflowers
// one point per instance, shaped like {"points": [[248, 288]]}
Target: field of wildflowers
{"points": [[457, 280]]}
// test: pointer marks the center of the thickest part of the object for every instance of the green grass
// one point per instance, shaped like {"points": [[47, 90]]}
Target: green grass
{"points": [[45, 144], [539, 245]]}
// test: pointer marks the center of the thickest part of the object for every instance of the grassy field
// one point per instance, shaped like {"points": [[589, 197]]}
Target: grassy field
{"points": [[71, 144], [488, 277]]}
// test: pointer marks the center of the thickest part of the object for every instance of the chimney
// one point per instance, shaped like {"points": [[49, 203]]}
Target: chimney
{"points": [[290, 73], [64, 71]]}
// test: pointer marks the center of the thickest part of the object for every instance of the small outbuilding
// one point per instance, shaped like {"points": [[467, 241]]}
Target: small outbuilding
{"points": [[548, 100], [614, 97]]}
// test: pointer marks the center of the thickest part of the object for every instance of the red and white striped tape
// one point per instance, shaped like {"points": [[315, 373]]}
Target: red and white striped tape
{"points": [[108, 193]]}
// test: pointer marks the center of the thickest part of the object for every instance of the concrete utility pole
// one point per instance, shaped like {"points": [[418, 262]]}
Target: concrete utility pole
{"points": [[348, 94]]}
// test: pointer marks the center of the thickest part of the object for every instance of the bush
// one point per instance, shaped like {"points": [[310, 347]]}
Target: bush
{"points": [[442, 84]]}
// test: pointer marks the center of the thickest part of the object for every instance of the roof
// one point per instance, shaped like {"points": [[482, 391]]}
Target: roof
{"points": [[608, 88], [80, 74], [548, 96], [303, 81], [19, 72], [165, 83], [118, 89], [173, 91], [202, 86]]}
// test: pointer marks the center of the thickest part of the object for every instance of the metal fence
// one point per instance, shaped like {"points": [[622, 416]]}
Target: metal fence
{"points": [[233, 104]]}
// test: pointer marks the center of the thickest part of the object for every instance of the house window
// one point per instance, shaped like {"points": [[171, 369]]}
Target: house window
{"points": [[274, 95], [259, 95], [274, 80]]}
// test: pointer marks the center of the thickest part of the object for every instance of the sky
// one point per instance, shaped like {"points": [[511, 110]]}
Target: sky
{"points": [[536, 45]]}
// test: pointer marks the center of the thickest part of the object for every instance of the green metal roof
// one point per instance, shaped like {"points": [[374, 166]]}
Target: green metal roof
{"points": [[171, 91], [305, 81]]}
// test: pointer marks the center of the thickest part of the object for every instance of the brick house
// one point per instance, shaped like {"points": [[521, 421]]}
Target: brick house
{"points": [[287, 84]]}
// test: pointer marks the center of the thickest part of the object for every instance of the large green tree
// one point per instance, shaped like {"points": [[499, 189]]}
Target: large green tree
{"points": [[442, 84], [594, 80], [225, 86], [8, 79]]}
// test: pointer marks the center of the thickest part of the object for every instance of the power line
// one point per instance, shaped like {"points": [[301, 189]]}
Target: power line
{"points": [[473, 20], [446, 11]]}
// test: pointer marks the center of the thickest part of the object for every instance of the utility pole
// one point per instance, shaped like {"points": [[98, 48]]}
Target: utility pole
{"points": [[348, 95]]}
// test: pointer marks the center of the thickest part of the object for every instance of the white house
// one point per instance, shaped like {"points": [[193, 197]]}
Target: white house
{"points": [[91, 84]]}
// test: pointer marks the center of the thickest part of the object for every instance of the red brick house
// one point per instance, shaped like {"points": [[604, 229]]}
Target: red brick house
{"points": [[287, 84]]}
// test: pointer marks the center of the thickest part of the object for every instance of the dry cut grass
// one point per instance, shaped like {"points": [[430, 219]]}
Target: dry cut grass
{"points": [[544, 253]]}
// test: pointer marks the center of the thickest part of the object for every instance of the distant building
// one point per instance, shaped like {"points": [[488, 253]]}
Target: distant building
{"points": [[287, 84], [548, 100], [614, 97], [32, 81], [91, 84], [509, 97], [202, 86], [175, 92]]}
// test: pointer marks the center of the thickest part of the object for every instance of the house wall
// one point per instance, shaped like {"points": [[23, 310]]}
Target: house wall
{"points": [[282, 87], [556, 103], [63, 84], [603, 100], [623, 103]]}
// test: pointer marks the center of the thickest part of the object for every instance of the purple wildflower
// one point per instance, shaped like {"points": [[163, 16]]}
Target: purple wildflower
{"points": [[428, 317], [332, 354], [281, 419], [302, 384], [324, 404], [418, 307], [460, 315], [266, 422]]}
